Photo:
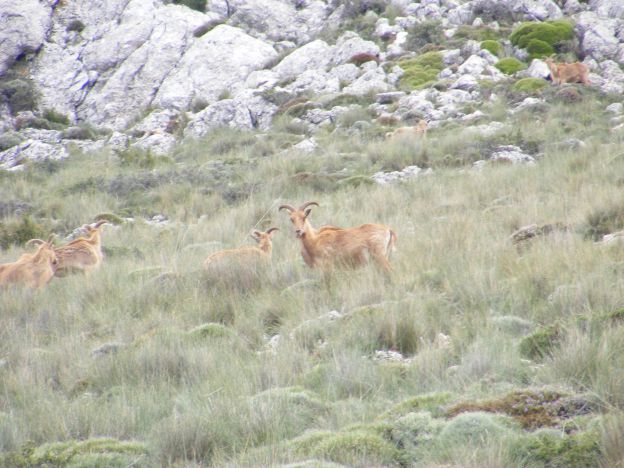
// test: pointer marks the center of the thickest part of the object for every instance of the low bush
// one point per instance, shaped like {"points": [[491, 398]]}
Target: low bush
{"points": [[529, 85], [421, 71], [492, 46], [510, 65]]}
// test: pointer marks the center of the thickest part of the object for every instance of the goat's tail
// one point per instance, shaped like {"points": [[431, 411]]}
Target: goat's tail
{"points": [[390, 247]]}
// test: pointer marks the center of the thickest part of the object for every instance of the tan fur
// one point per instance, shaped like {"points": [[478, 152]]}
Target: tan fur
{"points": [[248, 254], [82, 254], [330, 246], [561, 73], [32, 270], [419, 130]]}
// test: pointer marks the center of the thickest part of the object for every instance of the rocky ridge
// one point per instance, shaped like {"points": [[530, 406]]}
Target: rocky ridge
{"points": [[151, 72]]}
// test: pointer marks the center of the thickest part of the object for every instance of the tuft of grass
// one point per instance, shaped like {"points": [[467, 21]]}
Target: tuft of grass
{"points": [[604, 220], [556, 449], [20, 232], [540, 343], [510, 65], [529, 85], [492, 46]]}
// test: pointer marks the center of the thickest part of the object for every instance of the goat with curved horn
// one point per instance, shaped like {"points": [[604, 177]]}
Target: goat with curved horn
{"points": [[331, 245]]}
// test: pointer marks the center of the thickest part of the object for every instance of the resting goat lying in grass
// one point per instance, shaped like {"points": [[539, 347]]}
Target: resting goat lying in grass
{"points": [[32, 270], [418, 130], [82, 254], [561, 73], [330, 246], [248, 254]]}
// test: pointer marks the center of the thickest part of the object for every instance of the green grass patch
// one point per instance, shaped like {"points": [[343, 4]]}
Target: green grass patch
{"points": [[492, 46], [421, 71], [529, 85], [510, 65]]}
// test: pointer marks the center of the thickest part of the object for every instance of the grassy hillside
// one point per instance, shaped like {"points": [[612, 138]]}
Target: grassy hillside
{"points": [[531, 373]]}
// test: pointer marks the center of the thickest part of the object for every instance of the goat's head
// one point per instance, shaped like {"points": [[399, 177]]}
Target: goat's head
{"points": [[299, 216], [90, 228], [263, 237], [45, 252]]}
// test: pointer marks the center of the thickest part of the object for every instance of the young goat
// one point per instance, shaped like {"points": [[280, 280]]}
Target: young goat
{"points": [[329, 246], [82, 254], [420, 129], [248, 254], [561, 73], [33, 270]]}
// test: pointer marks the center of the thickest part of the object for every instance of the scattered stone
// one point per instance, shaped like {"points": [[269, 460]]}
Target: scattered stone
{"points": [[389, 97], [409, 172], [308, 145], [615, 108], [107, 349], [31, 150], [511, 154]]}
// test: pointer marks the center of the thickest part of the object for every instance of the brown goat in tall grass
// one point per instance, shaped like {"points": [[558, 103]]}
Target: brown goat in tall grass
{"points": [[332, 246], [418, 130], [32, 269], [561, 73], [81, 254], [246, 255]]}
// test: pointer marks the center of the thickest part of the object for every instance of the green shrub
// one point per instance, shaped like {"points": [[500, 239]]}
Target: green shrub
{"points": [[529, 85], [209, 331], [199, 5], [510, 65], [538, 49], [492, 46], [424, 33], [550, 33], [20, 94], [604, 220], [421, 71], [80, 132], [9, 140], [473, 428], [555, 449], [55, 117], [18, 233], [355, 448], [540, 343]]}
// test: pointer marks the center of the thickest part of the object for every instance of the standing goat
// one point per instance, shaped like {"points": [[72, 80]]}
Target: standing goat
{"points": [[330, 245], [33, 270], [248, 254], [82, 254], [561, 73]]}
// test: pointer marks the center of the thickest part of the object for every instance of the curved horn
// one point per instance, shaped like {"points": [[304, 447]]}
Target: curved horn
{"points": [[287, 207], [100, 223], [269, 231], [34, 242], [306, 204]]}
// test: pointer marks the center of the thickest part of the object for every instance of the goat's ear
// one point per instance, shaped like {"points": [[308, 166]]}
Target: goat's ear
{"points": [[255, 234], [307, 212]]}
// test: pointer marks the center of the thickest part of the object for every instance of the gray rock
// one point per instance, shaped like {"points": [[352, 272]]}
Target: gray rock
{"points": [[374, 80], [466, 83], [407, 173], [474, 65], [611, 71], [308, 145], [118, 141], [316, 81], [615, 108], [389, 97], [158, 144], [31, 150], [537, 69], [159, 121], [349, 45], [346, 73], [452, 57], [25, 25], [106, 349], [598, 36], [220, 60], [312, 56], [486, 130], [511, 154], [607, 8]]}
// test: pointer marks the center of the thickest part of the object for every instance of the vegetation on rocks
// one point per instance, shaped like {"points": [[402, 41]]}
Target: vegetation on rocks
{"points": [[510, 65], [421, 71], [542, 39]]}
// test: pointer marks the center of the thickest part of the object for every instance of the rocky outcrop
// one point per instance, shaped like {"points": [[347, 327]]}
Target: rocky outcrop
{"points": [[25, 25]]}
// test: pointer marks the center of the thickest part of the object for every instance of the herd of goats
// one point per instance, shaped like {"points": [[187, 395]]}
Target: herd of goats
{"points": [[322, 248]]}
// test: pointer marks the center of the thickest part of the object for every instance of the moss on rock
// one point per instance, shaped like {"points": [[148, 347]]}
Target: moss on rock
{"points": [[492, 46], [549, 32], [529, 85]]}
